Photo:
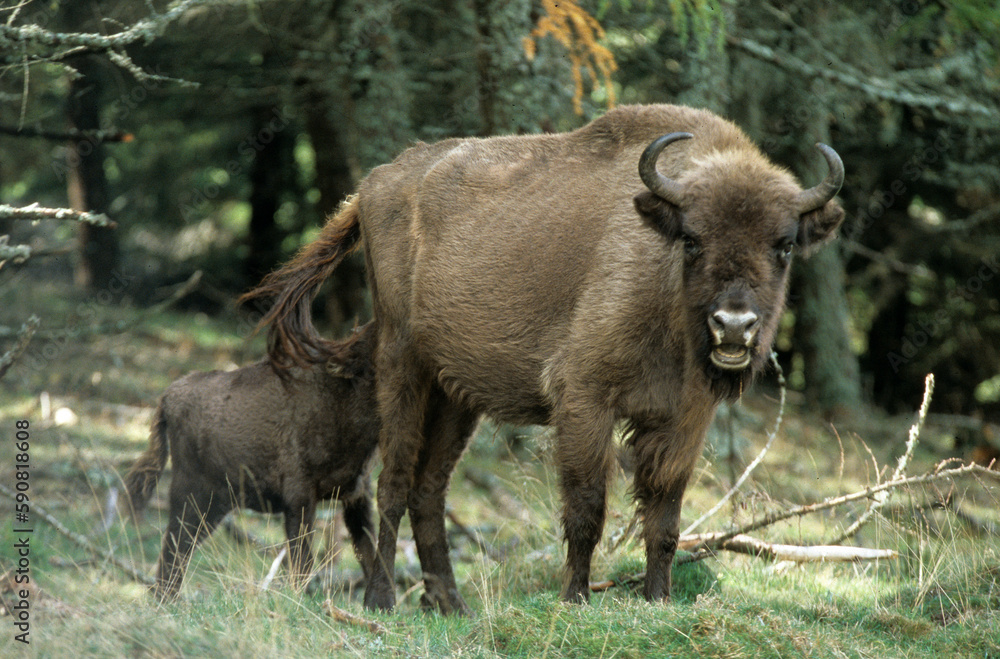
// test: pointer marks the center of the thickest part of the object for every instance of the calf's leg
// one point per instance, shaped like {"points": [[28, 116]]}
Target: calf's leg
{"points": [[298, 528], [361, 525], [448, 428], [194, 514]]}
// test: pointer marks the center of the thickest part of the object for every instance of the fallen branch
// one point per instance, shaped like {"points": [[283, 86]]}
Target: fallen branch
{"points": [[76, 538], [345, 617], [23, 339], [708, 543], [760, 456], [36, 212], [882, 498], [936, 475], [500, 497], [265, 584], [488, 549], [744, 544]]}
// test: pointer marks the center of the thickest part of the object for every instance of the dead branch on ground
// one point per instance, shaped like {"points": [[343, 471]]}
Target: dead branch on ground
{"points": [[882, 498], [348, 618], [935, 475], [745, 544], [477, 539], [266, 583], [499, 495]]}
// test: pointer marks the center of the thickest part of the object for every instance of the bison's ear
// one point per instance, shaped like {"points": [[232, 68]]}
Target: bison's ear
{"points": [[659, 213], [816, 227]]}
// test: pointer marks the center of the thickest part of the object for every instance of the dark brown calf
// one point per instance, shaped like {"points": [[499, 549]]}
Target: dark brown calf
{"points": [[249, 438]]}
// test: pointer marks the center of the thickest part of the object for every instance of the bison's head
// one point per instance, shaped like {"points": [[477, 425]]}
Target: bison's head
{"points": [[737, 219]]}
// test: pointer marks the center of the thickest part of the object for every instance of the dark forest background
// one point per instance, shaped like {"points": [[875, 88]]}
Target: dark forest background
{"points": [[217, 135]]}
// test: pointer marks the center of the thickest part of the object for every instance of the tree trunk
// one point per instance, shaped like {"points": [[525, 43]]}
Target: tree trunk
{"points": [[271, 175], [822, 335], [347, 301], [486, 85], [87, 186], [823, 321]]}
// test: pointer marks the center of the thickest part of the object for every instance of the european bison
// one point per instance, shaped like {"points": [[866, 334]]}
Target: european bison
{"points": [[562, 279], [271, 443]]}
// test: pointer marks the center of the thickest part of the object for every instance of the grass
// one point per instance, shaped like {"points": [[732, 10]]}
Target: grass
{"points": [[940, 599]]}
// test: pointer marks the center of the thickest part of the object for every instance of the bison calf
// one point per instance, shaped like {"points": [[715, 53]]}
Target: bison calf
{"points": [[249, 438]]}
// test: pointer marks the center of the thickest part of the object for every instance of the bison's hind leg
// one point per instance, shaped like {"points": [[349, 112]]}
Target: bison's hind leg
{"points": [[403, 389], [447, 431], [194, 514]]}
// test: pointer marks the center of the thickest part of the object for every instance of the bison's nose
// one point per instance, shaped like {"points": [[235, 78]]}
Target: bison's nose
{"points": [[735, 328]]}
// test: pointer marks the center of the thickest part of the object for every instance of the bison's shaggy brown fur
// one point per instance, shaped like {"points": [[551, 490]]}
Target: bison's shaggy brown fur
{"points": [[564, 279], [249, 438]]}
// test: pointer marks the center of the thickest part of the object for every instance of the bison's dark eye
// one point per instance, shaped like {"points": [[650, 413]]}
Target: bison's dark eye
{"points": [[784, 251], [692, 248]]}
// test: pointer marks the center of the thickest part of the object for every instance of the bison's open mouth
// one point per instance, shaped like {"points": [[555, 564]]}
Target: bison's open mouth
{"points": [[731, 356]]}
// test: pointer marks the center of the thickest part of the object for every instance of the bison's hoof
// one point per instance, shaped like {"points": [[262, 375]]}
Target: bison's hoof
{"points": [[164, 595], [379, 600], [453, 604], [577, 596]]}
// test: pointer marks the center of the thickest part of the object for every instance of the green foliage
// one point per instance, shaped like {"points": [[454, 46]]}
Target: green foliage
{"points": [[705, 20]]}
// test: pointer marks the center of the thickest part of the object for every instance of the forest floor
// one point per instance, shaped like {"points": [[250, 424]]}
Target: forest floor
{"points": [[88, 396]]}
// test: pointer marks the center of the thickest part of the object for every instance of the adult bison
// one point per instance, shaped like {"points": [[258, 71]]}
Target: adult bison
{"points": [[561, 279]]}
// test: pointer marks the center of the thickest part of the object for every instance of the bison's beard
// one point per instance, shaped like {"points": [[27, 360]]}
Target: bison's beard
{"points": [[728, 384]]}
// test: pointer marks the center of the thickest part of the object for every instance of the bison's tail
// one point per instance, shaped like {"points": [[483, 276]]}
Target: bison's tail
{"points": [[141, 479], [292, 338]]}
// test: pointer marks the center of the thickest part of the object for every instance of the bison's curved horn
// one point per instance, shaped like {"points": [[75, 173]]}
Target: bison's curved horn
{"points": [[815, 197], [663, 187]]}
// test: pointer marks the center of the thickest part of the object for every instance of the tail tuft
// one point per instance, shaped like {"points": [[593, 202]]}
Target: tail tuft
{"points": [[140, 482], [292, 339]]}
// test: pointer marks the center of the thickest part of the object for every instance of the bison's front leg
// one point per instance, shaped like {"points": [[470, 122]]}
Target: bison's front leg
{"points": [[661, 513], [584, 455], [664, 460]]}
